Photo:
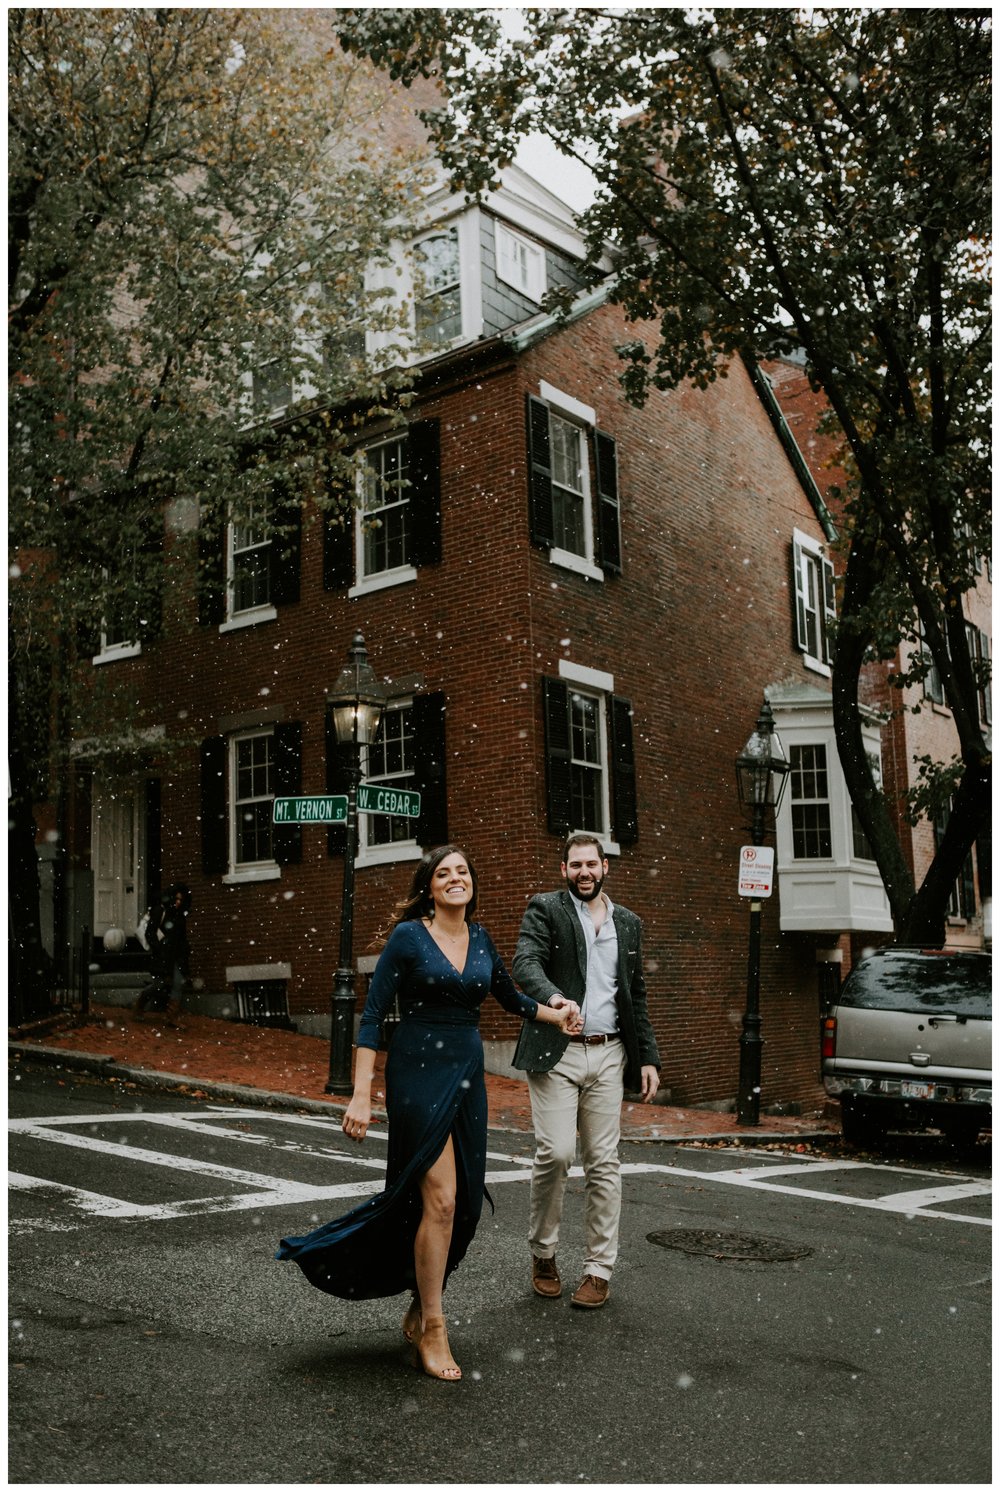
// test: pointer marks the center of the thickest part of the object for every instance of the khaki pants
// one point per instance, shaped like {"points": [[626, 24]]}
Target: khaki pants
{"points": [[582, 1092]]}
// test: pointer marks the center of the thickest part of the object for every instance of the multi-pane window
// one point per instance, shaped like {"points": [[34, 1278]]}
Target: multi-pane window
{"points": [[272, 387], [390, 764], [119, 624], [569, 485], [573, 497], [861, 843], [520, 263], [347, 342], [385, 509], [438, 281], [249, 562], [810, 790], [586, 762], [815, 608], [962, 901], [252, 794]]}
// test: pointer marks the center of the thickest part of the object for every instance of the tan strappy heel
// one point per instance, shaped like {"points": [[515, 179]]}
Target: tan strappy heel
{"points": [[433, 1354]]}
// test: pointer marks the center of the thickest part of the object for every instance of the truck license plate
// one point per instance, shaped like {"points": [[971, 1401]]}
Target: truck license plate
{"points": [[916, 1090]]}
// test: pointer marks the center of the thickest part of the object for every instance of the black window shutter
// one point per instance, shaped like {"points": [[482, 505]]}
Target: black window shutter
{"points": [[214, 823], [286, 548], [88, 637], [151, 607], [154, 841], [211, 577], [287, 840], [555, 704], [430, 768], [424, 442], [608, 505], [336, 782], [338, 536], [542, 529], [625, 826]]}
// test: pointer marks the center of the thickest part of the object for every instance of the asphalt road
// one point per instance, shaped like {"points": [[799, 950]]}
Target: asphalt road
{"points": [[792, 1319]]}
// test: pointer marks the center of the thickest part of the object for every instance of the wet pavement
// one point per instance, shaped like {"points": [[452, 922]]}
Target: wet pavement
{"points": [[270, 1067]]}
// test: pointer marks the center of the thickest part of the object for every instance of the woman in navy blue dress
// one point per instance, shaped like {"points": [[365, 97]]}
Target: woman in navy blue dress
{"points": [[440, 966]]}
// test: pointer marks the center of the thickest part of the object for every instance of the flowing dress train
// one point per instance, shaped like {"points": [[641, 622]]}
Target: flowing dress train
{"points": [[435, 1087]]}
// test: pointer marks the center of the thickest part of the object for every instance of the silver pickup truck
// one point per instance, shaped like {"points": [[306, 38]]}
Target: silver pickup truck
{"points": [[908, 1044]]}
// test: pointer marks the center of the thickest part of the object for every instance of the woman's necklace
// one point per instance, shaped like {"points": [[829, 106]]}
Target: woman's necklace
{"points": [[438, 930]]}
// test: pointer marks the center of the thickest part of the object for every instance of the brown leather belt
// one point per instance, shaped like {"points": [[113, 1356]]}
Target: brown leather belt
{"points": [[596, 1040]]}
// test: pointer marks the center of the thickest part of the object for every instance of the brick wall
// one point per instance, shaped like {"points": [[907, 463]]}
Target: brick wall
{"points": [[693, 631]]}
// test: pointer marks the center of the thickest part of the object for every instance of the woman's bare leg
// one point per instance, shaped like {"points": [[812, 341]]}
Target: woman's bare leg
{"points": [[430, 1258]]}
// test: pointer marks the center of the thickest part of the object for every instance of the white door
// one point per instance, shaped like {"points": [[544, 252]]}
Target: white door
{"points": [[116, 854]]}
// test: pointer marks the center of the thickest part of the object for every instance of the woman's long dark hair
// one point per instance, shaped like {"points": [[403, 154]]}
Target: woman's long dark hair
{"points": [[418, 902]]}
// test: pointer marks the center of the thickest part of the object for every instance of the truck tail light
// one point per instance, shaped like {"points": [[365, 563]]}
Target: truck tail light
{"points": [[828, 1045]]}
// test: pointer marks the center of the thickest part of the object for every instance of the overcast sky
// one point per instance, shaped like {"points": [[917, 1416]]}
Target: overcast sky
{"points": [[567, 178]]}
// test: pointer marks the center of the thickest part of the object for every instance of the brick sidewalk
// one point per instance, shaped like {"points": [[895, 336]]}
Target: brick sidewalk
{"points": [[204, 1052]]}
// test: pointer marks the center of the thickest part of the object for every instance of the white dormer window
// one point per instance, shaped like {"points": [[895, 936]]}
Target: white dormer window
{"points": [[437, 271], [520, 263]]}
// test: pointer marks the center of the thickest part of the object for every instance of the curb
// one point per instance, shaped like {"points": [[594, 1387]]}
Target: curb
{"points": [[144, 1077], [167, 1082]]}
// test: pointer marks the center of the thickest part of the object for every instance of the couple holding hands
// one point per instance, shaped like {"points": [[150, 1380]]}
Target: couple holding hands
{"points": [[585, 1039]]}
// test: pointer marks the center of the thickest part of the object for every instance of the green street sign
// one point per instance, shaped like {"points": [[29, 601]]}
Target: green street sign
{"points": [[328, 809], [373, 799]]}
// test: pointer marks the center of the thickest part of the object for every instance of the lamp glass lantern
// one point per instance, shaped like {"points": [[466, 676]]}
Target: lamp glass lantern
{"points": [[762, 767], [357, 699]]}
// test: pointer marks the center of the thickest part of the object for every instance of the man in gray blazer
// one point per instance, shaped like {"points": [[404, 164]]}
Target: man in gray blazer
{"points": [[577, 945]]}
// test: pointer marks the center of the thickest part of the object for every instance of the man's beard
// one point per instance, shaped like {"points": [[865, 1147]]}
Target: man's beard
{"points": [[590, 895]]}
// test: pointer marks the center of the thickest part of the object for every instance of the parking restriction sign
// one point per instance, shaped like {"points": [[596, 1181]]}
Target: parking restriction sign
{"points": [[756, 870]]}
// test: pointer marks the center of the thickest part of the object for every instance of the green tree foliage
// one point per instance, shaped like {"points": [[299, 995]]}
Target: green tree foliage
{"points": [[786, 182], [193, 196]]}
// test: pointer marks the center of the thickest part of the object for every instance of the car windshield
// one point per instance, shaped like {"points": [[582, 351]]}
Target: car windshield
{"points": [[929, 985]]}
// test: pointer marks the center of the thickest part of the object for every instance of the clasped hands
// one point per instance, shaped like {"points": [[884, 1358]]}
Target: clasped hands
{"points": [[571, 1017]]}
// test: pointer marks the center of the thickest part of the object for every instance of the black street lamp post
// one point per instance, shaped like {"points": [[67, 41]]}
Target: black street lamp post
{"points": [[761, 772], [356, 703]]}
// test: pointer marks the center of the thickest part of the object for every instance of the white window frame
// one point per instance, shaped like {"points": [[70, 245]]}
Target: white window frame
{"points": [[810, 564], [814, 802], [247, 870], [249, 616], [379, 579], [520, 263], [575, 412], [596, 684], [400, 849], [110, 652], [422, 294]]}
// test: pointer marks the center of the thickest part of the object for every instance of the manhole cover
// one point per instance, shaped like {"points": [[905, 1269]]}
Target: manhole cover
{"points": [[728, 1245]]}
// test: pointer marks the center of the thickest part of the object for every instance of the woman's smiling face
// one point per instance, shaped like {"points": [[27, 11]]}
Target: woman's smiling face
{"points": [[451, 883]]}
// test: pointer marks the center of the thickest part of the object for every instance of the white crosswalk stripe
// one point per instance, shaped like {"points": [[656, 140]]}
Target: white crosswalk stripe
{"points": [[280, 1135]]}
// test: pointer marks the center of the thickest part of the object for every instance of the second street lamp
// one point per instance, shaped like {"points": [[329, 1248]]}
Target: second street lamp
{"points": [[761, 772], [355, 702]]}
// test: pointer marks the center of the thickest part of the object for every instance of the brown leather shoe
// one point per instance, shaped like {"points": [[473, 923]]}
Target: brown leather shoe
{"points": [[545, 1278], [591, 1292]]}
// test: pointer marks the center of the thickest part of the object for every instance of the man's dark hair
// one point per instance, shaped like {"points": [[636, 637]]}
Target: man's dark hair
{"points": [[581, 838]]}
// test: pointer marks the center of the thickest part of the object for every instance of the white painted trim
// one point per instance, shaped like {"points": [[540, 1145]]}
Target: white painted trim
{"points": [[591, 678], [259, 873], [247, 973], [121, 650], [387, 854], [576, 562], [380, 582], [566, 404], [249, 618]]}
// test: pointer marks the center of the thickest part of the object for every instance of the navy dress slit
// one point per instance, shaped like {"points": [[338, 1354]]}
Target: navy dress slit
{"points": [[435, 1087]]}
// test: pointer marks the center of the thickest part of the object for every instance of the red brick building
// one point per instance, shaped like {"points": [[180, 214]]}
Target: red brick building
{"points": [[578, 607]]}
